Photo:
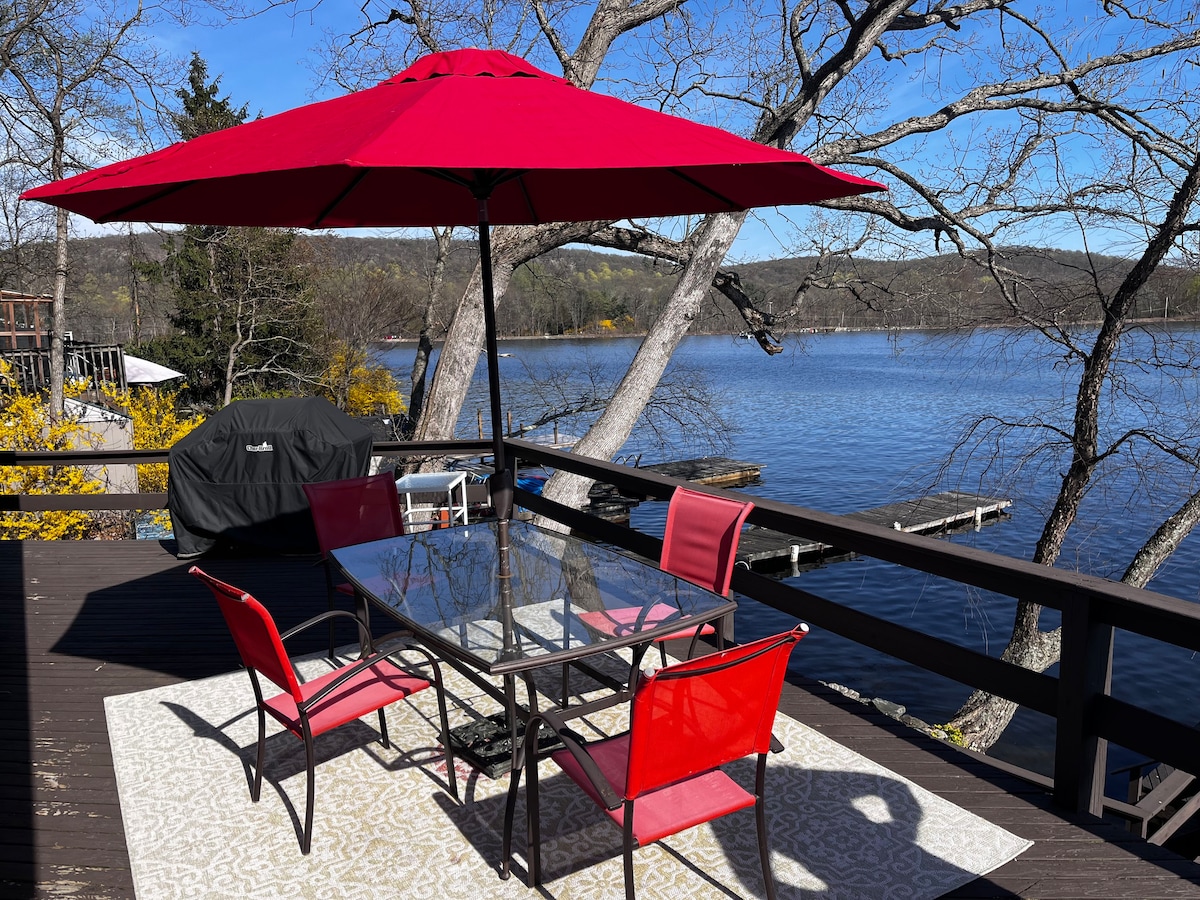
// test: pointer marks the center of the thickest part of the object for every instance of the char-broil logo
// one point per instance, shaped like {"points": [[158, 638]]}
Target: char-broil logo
{"points": [[264, 447]]}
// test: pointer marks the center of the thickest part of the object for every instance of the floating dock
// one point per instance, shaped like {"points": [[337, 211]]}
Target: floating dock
{"points": [[762, 548], [606, 501], [716, 471]]}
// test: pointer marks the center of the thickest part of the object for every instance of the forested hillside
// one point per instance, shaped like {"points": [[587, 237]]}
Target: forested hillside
{"points": [[115, 296]]}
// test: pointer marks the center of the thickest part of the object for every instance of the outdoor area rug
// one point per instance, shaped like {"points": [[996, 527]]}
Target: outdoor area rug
{"points": [[386, 826]]}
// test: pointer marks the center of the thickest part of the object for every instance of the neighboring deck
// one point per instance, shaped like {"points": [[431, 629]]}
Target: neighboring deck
{"points": [[86, 620]]}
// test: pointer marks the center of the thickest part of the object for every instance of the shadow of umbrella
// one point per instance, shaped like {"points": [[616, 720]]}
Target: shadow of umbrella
{"points": [[833, 834], [168, 622]]}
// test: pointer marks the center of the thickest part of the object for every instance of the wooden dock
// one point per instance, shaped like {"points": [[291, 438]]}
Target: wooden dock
{"points": [[606, 501], [716, 471], [762, 548]]}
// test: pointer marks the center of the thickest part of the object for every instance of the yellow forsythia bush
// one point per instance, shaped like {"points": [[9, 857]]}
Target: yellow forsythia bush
{"points": [[25, 425], [369, 390], [156, 426]]}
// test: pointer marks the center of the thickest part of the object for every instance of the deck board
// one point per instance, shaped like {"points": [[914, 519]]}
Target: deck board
{"points": [[87, 620]]}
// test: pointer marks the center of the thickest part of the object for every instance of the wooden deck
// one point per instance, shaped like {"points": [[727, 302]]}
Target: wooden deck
{"points": [[86, 620]]}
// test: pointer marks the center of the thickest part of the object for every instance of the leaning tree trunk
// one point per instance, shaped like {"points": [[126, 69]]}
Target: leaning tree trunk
{"points": [[511, 246], [443, 238], [458, 359], [612, 429], [983, 718], [1165, 541]]}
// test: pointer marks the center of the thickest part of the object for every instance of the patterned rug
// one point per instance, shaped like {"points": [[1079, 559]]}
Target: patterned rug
{"points": [[386, 826]]}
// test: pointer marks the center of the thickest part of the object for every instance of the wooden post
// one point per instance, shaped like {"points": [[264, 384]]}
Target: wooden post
{"points": [[479, 422], [1085, 673]]}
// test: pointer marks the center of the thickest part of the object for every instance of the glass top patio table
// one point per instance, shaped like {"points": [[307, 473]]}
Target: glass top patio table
{"points": [[445, 586]]}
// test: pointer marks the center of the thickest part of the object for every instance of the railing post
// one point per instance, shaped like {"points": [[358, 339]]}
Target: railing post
{"points": [[1085, 672]]}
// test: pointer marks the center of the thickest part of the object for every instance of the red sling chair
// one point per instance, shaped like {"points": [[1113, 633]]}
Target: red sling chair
{"points": [[309, 709], [663, 775], [352, 511], [699, 545]]}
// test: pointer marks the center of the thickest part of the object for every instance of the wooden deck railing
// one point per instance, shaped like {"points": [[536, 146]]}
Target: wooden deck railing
{"points": [[1092, 608]]}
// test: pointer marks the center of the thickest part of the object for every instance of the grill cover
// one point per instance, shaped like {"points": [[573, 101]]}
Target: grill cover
{"points": [[237, 478]]}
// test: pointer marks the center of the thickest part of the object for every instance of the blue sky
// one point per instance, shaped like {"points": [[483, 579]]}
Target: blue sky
{"points": [[265, 63], [262, 61]]}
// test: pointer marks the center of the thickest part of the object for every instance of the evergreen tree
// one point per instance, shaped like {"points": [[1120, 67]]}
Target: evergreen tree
{"points": [[203, 111], [244, 314]]}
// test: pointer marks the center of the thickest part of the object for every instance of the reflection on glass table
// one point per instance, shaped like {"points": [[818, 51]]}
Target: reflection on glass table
{"points": [[448, 587]]}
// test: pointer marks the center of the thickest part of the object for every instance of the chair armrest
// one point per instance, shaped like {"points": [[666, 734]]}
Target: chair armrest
{"points": [[349, 671], [395, 641], [344, 675], [578, 749], [325, 616], [663, 598], [402, 639]]}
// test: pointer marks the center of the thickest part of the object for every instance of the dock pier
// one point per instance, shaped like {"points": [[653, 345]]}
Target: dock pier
{"points": [[764, 549], [606, 501]]}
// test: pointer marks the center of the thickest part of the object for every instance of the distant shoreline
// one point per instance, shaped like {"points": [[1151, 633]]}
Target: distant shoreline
{"points": [[804, 332]]}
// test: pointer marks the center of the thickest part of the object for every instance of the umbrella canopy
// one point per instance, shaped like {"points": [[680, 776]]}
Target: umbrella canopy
{"points": [[468, 137], [423, 146]]}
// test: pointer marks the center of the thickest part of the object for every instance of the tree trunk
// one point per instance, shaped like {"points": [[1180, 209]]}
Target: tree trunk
{"points": [[612, 429], [511, 246], [983, 717], [1165, 541], [459, 358], [443, 238], [58, 316]]}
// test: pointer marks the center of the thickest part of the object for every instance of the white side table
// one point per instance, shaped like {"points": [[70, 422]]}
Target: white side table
{"points": [[452, 484]]}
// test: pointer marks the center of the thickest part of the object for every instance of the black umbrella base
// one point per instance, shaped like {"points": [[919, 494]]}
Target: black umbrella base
{"points": [[487, 743]]}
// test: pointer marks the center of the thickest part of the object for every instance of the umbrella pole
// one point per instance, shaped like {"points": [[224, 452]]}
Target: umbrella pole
{"points": [[501, 482], [501, 488]]}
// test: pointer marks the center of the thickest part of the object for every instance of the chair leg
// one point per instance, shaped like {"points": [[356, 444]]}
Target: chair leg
{"points": [[256, 786], [510, 815], [760, 816], [332, 595], [363, 610], [444, 721], [383, 735], [533, 827], [627, 847], [306, 836]]}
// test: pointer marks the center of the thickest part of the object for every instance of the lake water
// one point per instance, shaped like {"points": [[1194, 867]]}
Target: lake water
{"points": [[850, 421]]}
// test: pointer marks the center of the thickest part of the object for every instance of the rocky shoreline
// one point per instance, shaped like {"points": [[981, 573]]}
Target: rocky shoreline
{"points": [[900, 714]]}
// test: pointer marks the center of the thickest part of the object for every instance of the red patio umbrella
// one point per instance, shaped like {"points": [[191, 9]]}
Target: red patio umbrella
{"points": [[468, 137]]}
